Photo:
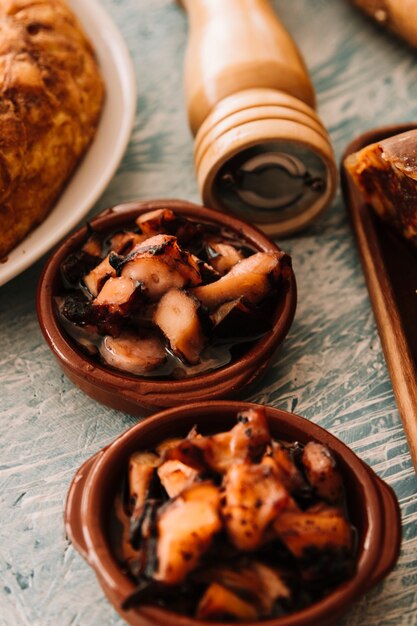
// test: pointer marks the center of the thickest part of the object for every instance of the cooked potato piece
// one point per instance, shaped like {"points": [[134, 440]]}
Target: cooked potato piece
{"points": [[177, 316], [176, 476], [252, 278], [218, 603], [186, 527], [133, 352], [253, 498], [323, 529], [95, 279], [223, 256], [321, 471]]}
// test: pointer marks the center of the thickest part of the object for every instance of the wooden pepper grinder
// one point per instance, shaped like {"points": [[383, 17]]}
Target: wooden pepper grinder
{"points": [[400, 17], [261, 151]]}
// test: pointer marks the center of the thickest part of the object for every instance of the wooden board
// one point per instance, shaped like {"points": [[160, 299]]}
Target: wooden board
{"points": [[390, 267]]}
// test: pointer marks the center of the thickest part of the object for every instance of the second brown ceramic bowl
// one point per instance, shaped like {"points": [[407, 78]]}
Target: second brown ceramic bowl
{"points": [[134, 394], [371, 503]]}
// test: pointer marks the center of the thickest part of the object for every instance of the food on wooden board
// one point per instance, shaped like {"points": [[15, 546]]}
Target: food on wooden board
{"points": [[386, 174]]}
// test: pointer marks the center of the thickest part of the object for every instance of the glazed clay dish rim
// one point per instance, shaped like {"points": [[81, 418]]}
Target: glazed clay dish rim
{"points": [[99, 555], [101, 376]]}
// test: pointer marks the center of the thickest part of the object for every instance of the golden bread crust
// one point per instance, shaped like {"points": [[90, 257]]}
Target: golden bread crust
{"points": [[50, 103]]}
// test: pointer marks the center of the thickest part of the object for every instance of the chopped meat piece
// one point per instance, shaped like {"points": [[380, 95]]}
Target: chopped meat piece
{"points": [[271, 586], [321, 471], [252, 278], [323, 529], [76, 265], [188, 453], [118, 298], [176, 476], [386, 174], [253, 498], [167, 444], [186, 527], [141, 469], [177, 316], [93, 245], [96, 278], [160, 221], [133, 352], [244, 442], [123, 241], [219, 603], [116, 292], [222, 256], [161, 264], [239, 318], [288, 472], [144, 493], [75, 308], [208, 273], [256, 582]]}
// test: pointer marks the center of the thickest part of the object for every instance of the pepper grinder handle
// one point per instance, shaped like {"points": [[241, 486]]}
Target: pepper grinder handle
{"points": [[261, 151]]}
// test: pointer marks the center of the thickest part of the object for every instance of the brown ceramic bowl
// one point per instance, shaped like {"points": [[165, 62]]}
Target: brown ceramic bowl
{"points": [[372, 506], [135, 394]]}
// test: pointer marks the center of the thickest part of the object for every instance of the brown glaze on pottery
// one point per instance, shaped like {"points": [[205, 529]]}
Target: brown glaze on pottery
{"points": [[372, 505], [137, 395], [390, 266]]}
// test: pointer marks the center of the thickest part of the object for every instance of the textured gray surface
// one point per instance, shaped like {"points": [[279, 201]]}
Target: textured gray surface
{"points": [[331, 368]]}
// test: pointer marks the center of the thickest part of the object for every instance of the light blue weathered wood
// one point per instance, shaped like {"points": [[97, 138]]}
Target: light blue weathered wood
{"points": [[331, 368]]}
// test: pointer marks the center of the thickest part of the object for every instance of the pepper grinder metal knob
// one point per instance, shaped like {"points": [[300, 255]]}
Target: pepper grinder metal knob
{"points": [[261, 150]]}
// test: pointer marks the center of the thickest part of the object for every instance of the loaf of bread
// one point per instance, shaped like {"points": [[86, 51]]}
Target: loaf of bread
{"points": [[386, 174], [51, 95]]}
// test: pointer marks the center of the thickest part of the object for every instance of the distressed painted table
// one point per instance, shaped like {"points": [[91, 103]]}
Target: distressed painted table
{"points": [[331, 368]]}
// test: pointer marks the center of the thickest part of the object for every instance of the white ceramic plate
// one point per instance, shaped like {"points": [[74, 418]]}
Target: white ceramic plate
{"points": [[104, 155]]}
